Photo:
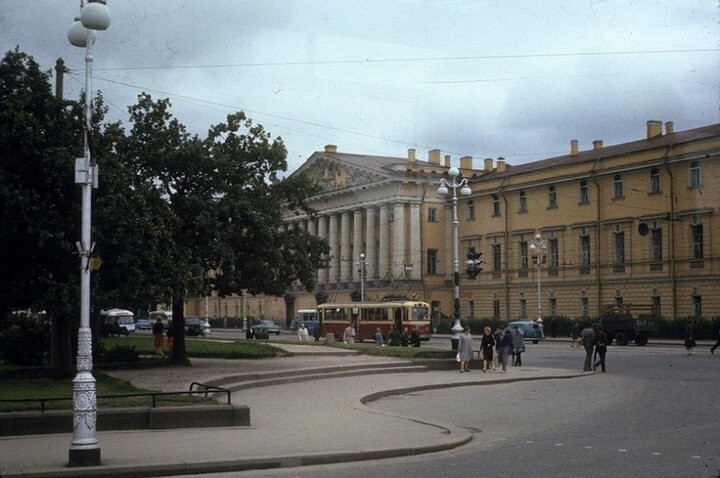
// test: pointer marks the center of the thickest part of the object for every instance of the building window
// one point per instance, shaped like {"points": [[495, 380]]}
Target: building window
{"points": [[584, 192], [697, 306], [523, 256], [522, 203], [470, 211], [619, 248], [656, 246], [497, 258], [552, 198], [523, 308], [656, 311], [617, 187], [554, 253], [694, 175], [495, 205], [654, 186], [585, 251], [584, 307], [432, 261], [496, 309], [432, 214], [697, 241]]}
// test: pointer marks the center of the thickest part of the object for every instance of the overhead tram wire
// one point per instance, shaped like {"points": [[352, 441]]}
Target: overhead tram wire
{"points": [[287, 118], [412, 60]]}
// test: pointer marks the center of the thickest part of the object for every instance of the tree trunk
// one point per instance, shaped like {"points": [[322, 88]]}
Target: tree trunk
{"points": [[179, 354], [61, 346]]}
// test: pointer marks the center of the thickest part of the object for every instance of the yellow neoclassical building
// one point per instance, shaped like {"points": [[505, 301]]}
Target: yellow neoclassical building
{"points": [[619, 224]]}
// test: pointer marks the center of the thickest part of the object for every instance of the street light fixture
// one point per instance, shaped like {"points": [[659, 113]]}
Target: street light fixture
{"points": [[84, 449], [443, 190], [538, 247], [361, 262]]}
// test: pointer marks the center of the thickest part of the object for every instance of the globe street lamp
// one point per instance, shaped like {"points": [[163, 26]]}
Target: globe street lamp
{"points": [[538, 247], [465, 191], [361, 263], [85, 450]]}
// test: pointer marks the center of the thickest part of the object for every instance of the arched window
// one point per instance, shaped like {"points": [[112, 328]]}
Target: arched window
{"points": [[617, 187], [522, 204], [694, 175], [552, 197], [654, 185]]}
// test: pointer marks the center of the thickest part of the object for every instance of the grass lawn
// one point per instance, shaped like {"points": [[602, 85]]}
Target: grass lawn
{"points": [[45, 387], [199, 347]]}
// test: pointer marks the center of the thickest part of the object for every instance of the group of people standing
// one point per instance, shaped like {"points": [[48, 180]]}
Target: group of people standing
{"points": [[495, 348]]}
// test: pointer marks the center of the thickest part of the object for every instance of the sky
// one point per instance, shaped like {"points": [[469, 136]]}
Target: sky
{"points": [[517, 79]]}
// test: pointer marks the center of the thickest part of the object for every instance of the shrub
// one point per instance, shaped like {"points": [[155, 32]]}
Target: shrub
{"points": [[24, 341], [120, 354]]}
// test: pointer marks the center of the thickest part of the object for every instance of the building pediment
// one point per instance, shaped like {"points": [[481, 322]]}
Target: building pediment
{"points": [[331, 174]]}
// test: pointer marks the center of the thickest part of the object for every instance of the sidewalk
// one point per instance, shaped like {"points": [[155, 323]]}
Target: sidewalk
{"points": [[293, 424]]}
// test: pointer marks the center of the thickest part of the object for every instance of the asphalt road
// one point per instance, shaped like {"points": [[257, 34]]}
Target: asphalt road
{"points": [[656, 413]]}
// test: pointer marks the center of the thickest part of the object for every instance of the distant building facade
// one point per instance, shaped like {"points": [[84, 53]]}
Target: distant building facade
{"points": [[625, 224]]}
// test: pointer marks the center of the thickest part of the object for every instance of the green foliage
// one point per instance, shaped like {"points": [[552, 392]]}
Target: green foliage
{"points": [[24, 341], [403, 352], [120, 354], [200, 347]]}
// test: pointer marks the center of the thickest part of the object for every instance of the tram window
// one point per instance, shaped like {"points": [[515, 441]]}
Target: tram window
{"points": [[419, 313]]}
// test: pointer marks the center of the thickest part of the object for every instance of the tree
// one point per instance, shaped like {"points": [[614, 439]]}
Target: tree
{"points": [[227, 203], [39, 206]]}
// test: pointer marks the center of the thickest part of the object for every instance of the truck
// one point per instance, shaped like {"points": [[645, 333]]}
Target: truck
{"points": [[627, 322]]}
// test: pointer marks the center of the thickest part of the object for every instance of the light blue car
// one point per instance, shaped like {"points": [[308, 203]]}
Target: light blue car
{"points": [[531, 330]]}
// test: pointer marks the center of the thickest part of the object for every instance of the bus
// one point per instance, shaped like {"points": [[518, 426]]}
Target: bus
{"points": [[307, 317], [121, 317], [366, 317]]}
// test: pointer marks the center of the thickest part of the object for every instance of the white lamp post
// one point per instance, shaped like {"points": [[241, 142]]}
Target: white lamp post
{"points": [[465, 191], [538, 246], [85, 450], [361, 262]]}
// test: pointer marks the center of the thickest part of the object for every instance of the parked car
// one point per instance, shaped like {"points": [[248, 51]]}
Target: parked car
{"points": [[265, 327], [143, 324], [531, 330], [194, 326]]}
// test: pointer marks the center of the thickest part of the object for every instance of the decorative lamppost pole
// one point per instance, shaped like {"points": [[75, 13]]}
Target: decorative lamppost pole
{"points": [[538, 246], [361, 262], [85, 450], [453, 184]]}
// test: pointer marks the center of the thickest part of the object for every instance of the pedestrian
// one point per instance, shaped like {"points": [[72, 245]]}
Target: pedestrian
{"points": [[349, 335], [415, 337], [405, 337], [487, 344], [518, 346], [378, 337], [394, 338], [716, 334], [465, 349], [504, 349], [588, 341], [600, 348], [575, 333], [158, 331], [303, 334], [499, 332], [690, 337], [316, 333]]}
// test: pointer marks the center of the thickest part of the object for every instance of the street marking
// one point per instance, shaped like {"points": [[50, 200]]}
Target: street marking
{"points": [[558, 444], [696, 457], [588, 447], [529, 441], [622, 450], [657, 453]]}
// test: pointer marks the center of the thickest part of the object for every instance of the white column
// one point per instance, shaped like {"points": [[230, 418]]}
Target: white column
{"points": [[310, 227], [398, 249], [333, 270], [384, 242], [346, 258], [322, 234], [448, 242], [415, 242], [357, 245], [371, 252]]}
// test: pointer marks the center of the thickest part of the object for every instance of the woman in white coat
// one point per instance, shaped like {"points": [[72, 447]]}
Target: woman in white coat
{"points": [[465, 350]]}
